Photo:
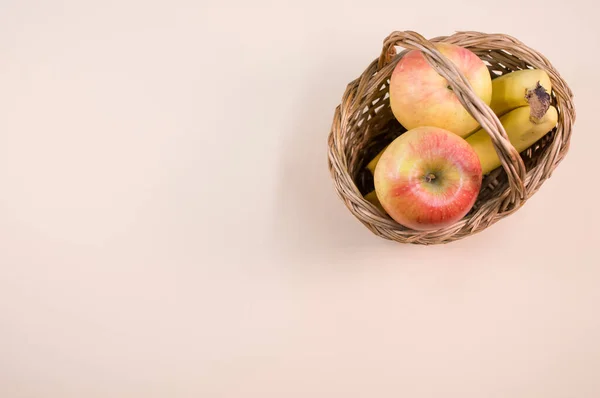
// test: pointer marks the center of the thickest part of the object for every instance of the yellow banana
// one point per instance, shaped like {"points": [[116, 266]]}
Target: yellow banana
{"points": [[374, 161], [372, 197], [509, 90], [522, 129]]}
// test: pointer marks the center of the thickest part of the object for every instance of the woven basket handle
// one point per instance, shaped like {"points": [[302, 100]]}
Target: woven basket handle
{"points": [[509, 156]]}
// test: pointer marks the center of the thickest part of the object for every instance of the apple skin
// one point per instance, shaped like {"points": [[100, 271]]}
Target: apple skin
{"points": [[428, 178], [419, 96]]}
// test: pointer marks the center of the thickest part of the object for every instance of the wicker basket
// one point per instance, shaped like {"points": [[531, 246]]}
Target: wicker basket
{"points": [[363, 124]]}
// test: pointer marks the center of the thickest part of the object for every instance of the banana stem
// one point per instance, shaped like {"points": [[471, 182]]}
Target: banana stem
{"points": [[539, 101]]}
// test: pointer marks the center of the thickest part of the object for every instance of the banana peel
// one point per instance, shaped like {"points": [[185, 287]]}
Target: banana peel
{"points": [[511, 90]]}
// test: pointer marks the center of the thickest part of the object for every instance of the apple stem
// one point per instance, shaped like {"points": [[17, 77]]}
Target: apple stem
{"points": [[430, 177]]}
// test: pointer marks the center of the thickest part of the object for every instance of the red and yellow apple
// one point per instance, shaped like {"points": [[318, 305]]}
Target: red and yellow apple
{"points": [[428, 178], [419, 96]]}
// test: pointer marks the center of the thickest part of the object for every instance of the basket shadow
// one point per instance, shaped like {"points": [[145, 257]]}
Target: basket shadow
{"points": [[310, 220]]}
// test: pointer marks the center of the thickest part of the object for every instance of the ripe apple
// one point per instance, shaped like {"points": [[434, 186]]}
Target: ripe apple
{"points": [[419, 96], [428, 178]]}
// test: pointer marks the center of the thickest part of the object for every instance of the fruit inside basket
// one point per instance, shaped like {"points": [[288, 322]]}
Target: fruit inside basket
{"points": [[445, 138]]}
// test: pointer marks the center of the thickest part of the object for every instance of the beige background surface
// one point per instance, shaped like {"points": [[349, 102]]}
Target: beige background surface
{"points": [[168, 227]]}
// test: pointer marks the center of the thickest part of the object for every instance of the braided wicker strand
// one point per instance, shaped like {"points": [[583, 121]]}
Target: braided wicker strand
{"points": [[364, 119]]}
